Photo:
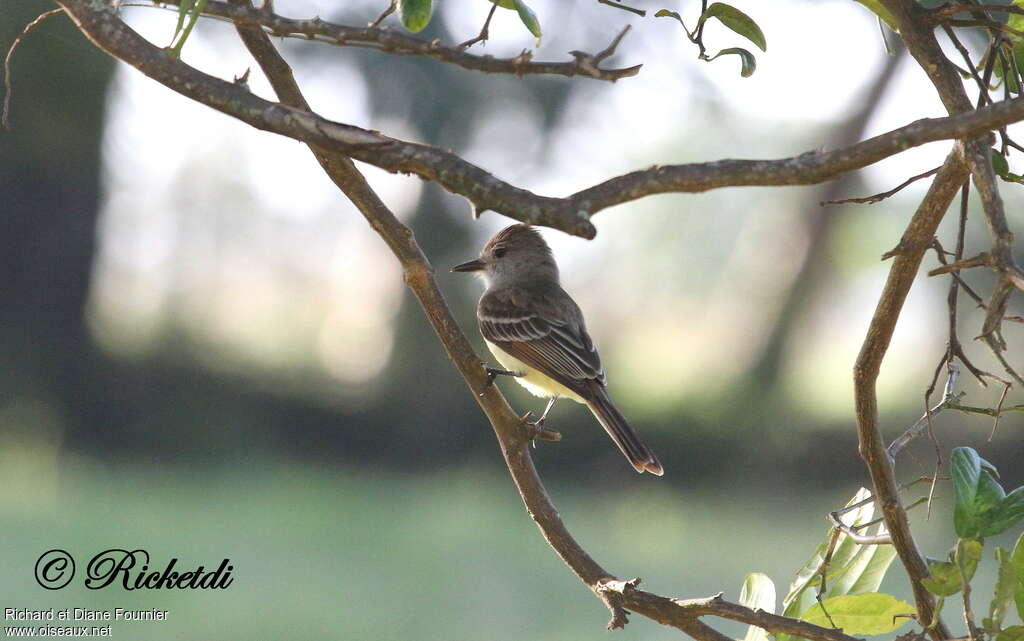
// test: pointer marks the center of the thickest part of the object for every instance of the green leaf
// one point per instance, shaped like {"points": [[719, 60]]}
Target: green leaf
{"points": [[529, 18], [1007, 514], [965, 466], [870, 613], [415, 14], [876, 7], [1018, 597], [183, 9], [943, 578], [1006, 582], [749, 64], [967, 556], [757, 593], [982, 507], [999, 164], [845, 554], [806, 577], [989, 495], [867, 569], [1017, 559], [505, 4], [1012, 633], [196, 10], [736, 20], [665, 13]]}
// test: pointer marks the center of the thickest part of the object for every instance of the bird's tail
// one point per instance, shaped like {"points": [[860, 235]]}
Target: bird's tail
{"points": [[640, 456]]}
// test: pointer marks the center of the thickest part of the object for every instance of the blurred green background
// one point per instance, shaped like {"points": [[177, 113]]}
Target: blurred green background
{"points": [[208, 354]]}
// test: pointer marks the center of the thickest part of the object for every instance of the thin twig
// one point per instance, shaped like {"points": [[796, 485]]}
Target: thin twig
{"points": [[617, 5], [8, 84], [947, 11], [972, 70], [988, 24], [929, 479], [859, 539], [484, 31], [981, 260], [394, 42], [594, 61], [871, 499], [999, 412], [954, 349], [870, 200], [826, 561], [987, 411], [387, 12], [915, 430]]}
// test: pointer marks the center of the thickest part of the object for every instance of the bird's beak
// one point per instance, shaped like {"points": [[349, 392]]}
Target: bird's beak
{"points": [[474, 265]]}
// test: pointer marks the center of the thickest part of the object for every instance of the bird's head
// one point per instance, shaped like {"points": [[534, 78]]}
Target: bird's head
{"points": [[515, 254]]}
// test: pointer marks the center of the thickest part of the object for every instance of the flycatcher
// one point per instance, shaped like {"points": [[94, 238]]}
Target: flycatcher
{"points": [[536, 332]]}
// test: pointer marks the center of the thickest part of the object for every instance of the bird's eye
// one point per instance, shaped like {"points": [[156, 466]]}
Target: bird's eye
{"points": [[499, 252]]}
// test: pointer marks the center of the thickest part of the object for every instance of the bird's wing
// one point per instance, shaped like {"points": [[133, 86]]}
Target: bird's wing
{"points": [[542, 327]]}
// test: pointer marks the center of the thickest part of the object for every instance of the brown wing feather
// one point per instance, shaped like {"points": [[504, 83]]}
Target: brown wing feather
{"points": [[544, 329]]}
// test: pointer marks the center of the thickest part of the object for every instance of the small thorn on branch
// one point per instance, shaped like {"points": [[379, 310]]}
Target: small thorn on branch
{"points": [[590, 64], [243, 80], [980, 260], [895, 251]]}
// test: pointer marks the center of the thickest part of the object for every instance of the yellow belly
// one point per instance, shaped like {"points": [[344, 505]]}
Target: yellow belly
{"points": [[535, 382]]}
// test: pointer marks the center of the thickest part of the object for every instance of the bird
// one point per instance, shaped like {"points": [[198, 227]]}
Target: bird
{"points": [[537, 332]]}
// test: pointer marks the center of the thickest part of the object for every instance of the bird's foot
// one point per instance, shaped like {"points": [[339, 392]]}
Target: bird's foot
{"points": [[535, 430], [493, 373]]}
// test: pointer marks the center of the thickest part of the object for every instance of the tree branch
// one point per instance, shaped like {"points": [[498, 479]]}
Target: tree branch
{"points": [[487, 192], [618, 595], [393, 42], [915, 242]]}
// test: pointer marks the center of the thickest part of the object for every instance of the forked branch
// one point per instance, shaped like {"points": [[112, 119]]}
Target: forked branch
{"points": [[396, 43], [484, 190], [619, 596]]}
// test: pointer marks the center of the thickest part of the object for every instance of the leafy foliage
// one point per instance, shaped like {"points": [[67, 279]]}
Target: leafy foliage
{"points": [[1017, 560], [852, 568], [415, 14], [736, 20], [1006, 581], [732, 18], [879, 10], [853, 572], [190, 10], [758, 593], [526, 14], [1002, 168], [982, 507], [869, 613]]}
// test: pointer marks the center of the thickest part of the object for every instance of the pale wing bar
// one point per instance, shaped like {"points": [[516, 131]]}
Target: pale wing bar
{"points": [[570, 354]]}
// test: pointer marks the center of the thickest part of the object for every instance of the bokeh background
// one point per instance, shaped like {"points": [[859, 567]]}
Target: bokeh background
{"points": [[207, 353]]}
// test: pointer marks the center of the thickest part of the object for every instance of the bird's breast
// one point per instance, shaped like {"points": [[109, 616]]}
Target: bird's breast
{"points": [[535, 381]]}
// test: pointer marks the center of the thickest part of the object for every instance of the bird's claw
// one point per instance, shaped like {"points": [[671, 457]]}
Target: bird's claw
{"points": [[535, 430], [493, 373]]}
